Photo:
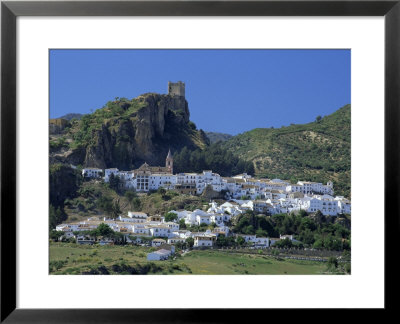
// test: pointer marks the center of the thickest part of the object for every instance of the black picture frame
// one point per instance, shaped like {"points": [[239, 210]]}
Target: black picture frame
{"points": [[10, 10]]}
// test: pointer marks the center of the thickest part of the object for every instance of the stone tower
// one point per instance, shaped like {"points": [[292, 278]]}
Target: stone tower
{"points": [[176, 89], [169, 162]]}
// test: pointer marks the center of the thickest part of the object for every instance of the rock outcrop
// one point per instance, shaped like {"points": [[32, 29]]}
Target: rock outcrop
{"points": [[136, 135], [57, 125]]}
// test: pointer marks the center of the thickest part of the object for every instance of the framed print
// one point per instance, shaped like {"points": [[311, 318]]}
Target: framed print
{"points": [[183, 154]]}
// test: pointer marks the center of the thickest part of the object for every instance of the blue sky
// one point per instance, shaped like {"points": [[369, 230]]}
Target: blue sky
{"points": [[229, 91]]}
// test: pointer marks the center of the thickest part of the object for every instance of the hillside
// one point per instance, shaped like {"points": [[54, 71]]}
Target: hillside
{"points": [[317, 151], [126, 133], [215, 137], [72, 116]]}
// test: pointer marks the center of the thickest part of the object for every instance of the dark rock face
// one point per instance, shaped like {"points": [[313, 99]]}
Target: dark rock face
{"points": [[144, 136]]}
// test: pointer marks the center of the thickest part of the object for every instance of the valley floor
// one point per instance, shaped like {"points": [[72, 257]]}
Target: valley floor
{"points": [[68, 258]]}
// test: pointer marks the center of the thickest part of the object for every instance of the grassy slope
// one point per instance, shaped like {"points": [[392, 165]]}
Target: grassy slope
{"points": [[215, 137], [85, 205], [79, 258], [318, 151]]}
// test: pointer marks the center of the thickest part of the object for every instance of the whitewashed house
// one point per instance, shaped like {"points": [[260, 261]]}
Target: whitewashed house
{"points": [[218, 219], [137, 217], [109, 172], [157, 242], [139, 228], [174, 240], [344, 205], [92, 172], [158, 255], [204, 240], [202, 219], [160, 230]]}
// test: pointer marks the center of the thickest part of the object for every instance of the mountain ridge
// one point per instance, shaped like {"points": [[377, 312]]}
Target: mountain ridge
{"points": [[316, 151]]}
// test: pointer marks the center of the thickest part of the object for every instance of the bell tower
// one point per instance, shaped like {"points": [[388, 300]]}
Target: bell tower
{"points": [[169, 162]]}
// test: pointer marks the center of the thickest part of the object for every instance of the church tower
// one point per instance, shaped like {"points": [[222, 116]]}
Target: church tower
{"points": [[169, 162]]}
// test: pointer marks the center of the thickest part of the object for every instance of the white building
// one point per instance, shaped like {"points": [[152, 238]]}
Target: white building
{"points": [[166, 181], [139, 228], [204, 240], [160, 230], [92, 172], [157, 242], [202, 219], [158, 255], [174, 240], [344, 205], [137, 217]]}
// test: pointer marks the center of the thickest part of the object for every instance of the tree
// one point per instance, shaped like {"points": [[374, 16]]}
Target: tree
{"points": [[318, 244], [136, 204], [55, 235], [190, 242], [212, 225], [286, 243], [240, 240], [64, 183], [114, 182], [104, 230], [170, 217], [161, 191], [332, 263], [223, 241], [56, 216], [182, 224], [116, 210], [318, 119], [302, 213]]}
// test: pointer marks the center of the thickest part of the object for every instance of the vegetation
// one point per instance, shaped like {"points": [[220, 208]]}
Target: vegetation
{"points": [[96, 198], [215, 137], [213, 157], [170, 217], [58, 143], [66, 258], [318, 151], [64, 183], [120, 108], [312, 231]]}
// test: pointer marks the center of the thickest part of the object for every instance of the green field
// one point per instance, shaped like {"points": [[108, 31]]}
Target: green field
{"points": [[67, 258]]}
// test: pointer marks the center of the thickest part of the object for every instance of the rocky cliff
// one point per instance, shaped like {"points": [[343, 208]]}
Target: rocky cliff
{"points": [[125, 133]]}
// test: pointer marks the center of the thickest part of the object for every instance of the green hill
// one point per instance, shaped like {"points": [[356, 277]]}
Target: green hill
{"points": [[215, 137], [317, 151]]}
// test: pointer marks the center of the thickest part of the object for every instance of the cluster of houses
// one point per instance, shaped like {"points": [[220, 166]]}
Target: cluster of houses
{"points": [[139, 228], [242, 193], [262, 195]]}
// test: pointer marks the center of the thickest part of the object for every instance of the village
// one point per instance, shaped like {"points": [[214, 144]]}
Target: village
{"points": [[242, 193], [269, 196]]}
